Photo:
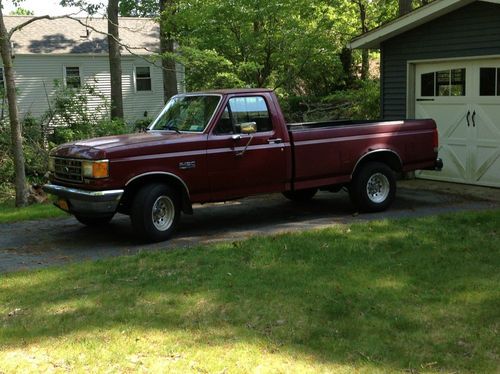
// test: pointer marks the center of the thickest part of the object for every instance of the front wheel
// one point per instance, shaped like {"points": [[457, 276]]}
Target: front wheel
{"points": [[155, 212], [373, 187]]}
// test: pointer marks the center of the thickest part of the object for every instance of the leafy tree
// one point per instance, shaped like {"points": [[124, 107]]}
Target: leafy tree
{"points": [[21, 12]]}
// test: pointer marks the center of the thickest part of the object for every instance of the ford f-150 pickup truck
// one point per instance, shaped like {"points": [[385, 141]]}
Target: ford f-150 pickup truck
{"points": [[228, 144]]}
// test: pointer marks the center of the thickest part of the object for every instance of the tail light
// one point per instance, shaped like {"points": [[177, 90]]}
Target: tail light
{"points": [[435, 140]]}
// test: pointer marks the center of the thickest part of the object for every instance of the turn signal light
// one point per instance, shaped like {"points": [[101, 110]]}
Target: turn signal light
{"points": [[95, 169]]}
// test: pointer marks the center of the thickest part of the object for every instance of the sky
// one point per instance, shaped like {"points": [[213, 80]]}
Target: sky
{"points": [[43, 7]]}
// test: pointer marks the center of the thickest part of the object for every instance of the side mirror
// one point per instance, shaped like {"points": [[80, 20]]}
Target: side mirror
{"points": [[247, 128]]}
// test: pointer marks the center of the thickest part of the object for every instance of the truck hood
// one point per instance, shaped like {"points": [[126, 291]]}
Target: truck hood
{"points": [[132, 144]]}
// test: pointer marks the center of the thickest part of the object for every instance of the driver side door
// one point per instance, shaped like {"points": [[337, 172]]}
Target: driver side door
{"points": [[241, 164]]}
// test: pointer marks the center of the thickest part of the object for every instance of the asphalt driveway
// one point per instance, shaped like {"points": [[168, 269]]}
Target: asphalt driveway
{"points": [[35, 244]]}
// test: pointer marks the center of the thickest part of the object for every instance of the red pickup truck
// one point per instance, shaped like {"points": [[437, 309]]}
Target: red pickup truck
{"points": [[227, 144]]}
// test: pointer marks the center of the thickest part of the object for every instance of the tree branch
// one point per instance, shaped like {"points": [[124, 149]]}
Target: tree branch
{"points": [[31, 20]]}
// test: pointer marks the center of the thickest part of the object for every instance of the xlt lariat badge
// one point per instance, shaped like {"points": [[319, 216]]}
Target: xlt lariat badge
{"points": [[187, 165]]}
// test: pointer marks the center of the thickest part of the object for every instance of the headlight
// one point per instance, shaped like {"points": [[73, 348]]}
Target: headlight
{"points": [[95, 169], [52, 164]]}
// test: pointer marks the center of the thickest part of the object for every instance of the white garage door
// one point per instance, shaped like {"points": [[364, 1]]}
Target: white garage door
{"points": [[464, 99]]}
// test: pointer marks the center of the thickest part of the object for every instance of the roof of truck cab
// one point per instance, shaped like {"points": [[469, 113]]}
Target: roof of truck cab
{"points": [[227, 91]]}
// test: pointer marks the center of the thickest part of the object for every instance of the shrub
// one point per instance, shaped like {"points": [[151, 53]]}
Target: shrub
{"points": [[361, 102]]}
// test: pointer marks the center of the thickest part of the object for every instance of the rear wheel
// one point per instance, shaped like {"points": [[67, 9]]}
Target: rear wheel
{"points": [[94, 221], [155, 212], [301, 195], [373, 187]]}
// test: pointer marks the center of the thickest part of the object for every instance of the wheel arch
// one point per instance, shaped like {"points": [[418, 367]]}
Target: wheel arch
{"points": [[386, 156], [135, 183]]}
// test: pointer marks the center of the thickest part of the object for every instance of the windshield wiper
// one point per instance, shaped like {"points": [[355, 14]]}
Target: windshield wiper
{"points": [[172, 126]]}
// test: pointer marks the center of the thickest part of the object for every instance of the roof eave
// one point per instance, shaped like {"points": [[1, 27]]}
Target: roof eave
{"points": [[418, 17]]}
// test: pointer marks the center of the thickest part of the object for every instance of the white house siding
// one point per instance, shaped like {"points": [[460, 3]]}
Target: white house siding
{"points": [[36, 74]]}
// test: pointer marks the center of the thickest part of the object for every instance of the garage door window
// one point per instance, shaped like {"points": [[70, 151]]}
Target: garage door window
{"points": [[443, 83], [489, 82]]}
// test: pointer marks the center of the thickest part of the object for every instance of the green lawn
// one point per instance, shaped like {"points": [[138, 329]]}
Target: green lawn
{"points": [[9, 213], [417, 295]]}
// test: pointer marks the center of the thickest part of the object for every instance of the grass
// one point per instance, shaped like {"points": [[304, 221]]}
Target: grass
{"points": [[9, 213], [416, 295]]}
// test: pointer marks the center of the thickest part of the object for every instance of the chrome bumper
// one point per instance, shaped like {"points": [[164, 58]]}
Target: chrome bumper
{"points": [[85, 201]]}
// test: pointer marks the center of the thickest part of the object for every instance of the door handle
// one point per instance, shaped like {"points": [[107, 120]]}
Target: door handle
{"points": [[467, 116], [274, 141], [474, 119]]}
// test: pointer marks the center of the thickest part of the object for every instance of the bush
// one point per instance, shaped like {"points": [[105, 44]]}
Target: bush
{"points": [[69, 118], [359, 103]]}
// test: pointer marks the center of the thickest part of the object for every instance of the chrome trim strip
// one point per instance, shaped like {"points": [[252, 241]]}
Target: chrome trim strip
{"points": [[160, 173], [376, 151]]}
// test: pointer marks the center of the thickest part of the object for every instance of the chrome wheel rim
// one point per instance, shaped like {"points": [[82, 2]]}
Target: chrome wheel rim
{"points": [[378, 188], [163, 213]]}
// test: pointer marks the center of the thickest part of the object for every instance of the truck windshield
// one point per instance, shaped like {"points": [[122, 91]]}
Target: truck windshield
{"points": [[187, 113]]}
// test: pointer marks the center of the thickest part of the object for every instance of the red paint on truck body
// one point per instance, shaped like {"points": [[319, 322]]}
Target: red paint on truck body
{"points": [[307, 155]]}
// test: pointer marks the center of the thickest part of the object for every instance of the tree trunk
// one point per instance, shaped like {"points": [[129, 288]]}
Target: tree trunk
{"points": [[167, 45], [15, 125], [365, 60], [115, 64], [404, 7]]}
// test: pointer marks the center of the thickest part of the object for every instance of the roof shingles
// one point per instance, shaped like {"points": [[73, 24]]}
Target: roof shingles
{"points": [[67, 35]]}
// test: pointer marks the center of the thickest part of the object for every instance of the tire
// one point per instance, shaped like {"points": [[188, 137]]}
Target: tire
{"points": [[300, 195], [155, 212], [93, 221], [373, 187]]}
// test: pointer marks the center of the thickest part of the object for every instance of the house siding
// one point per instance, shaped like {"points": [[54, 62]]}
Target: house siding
{"points": [[36, 76], [473, 30]]}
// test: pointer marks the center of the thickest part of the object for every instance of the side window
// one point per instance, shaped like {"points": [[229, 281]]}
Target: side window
{"points": [[143, 78], [243, 110], [72, 77], [489, 81], [443, 83]]}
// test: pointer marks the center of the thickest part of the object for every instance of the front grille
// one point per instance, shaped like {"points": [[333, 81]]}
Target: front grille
{"points": [[68, 170]]}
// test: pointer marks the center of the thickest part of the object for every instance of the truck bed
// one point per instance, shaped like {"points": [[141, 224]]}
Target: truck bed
{"points": [[326, 153]]}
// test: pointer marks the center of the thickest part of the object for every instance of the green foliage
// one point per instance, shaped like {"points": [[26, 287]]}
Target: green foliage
{"points": [[69, 118], [72, 119], [142, 124], [361, 102], [22, 12], [9, 213]]}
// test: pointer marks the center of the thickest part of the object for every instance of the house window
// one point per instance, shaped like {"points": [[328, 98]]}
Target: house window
{"points": [[143, 78], [489, 82], [443, 83], [72, 77]]}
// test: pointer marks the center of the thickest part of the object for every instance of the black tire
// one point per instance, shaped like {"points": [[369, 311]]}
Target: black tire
{"points": [[301, 195], [93, 221], [373, 187], [155, 212]]}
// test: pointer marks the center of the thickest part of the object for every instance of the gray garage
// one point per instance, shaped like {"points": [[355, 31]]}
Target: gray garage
{"points": [[442, 61]]}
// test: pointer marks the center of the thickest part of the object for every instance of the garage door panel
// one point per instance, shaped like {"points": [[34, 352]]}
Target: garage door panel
{"points": [[468, 119]]}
